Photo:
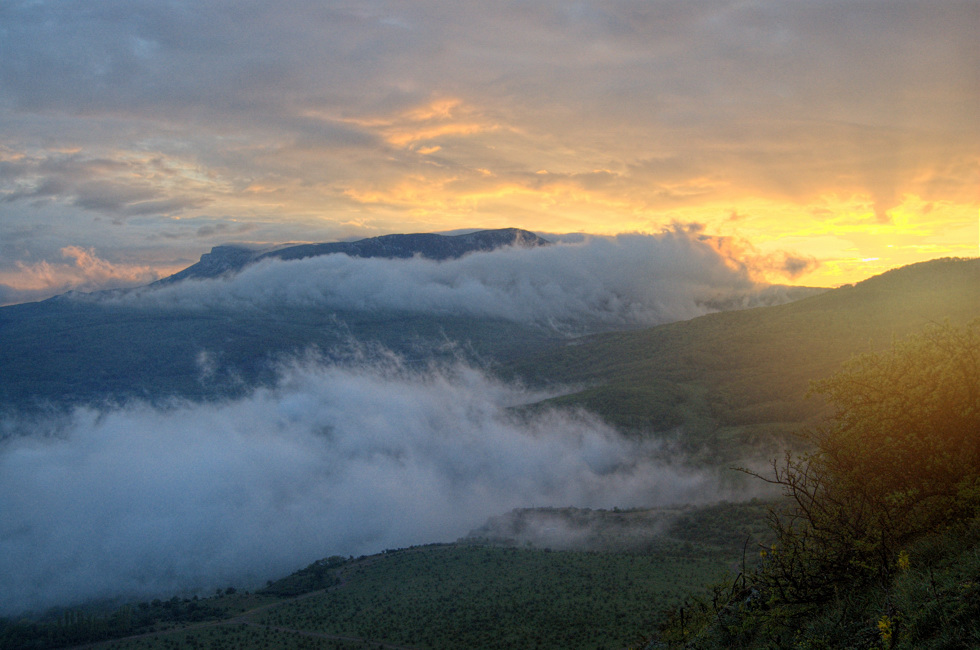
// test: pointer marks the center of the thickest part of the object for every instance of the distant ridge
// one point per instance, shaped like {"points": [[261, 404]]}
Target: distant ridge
{"points": [[233, 258], [722, 381]]}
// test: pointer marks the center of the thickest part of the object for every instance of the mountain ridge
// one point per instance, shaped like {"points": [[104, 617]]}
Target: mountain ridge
{"points": [[231, 258]]}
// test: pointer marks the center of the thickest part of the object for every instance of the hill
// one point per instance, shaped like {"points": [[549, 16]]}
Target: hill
{"points": [[727, 386], [734, 381], [63, 352], [222, 327]]}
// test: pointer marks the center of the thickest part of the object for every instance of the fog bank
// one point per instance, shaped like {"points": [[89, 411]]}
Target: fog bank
{"points": [[142, 502], [598, 282]]}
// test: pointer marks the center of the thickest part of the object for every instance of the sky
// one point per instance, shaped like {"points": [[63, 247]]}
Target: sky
{"points": [[842, 137]]}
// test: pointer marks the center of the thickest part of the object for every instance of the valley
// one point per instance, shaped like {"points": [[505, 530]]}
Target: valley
{"points": [[644, 424]]}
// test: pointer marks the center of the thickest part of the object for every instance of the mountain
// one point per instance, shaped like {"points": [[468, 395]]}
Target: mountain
{"points": [[71, 349], [720, 384], [64, 352], [735, 381], [726, 385], [231, 258]]}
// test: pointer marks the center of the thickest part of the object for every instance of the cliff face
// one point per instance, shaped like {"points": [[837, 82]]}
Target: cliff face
{"points": [[231, 258], [221, 260]]}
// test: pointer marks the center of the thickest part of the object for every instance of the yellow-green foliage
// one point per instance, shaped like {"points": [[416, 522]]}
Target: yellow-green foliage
{"points": [[864, 554], [487, 597], [902, 457]]}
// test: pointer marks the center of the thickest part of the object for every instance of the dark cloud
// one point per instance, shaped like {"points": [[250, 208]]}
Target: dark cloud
{"points": [[45, 188], [167, 206], [638, 63], [109, 187], [224, 229], [108, 197], [794, 266]]}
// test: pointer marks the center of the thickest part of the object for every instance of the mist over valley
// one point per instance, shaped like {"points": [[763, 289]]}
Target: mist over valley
{"points": [[429, 325], [208, 431]]}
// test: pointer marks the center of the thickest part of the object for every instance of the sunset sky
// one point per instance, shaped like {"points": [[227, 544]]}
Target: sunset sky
{"points": [[820, 142]]}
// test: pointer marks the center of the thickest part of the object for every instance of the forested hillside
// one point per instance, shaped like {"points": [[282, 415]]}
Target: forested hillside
{"points": [[733, 384], [470, 594]]}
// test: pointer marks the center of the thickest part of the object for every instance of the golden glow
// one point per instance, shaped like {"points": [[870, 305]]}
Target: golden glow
{"points": [[458, 163], [842, 233], [444, 117], [437, 109], [447, 163]]}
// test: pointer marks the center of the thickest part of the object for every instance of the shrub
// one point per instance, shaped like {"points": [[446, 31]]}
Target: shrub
{"points": [[901, 458], [898, 464]]}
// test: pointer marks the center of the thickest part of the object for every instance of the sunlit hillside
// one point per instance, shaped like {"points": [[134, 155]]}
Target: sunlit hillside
{"points": [[725, 383]]}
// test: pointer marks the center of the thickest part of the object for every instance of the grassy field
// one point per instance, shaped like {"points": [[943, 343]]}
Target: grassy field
{"points": [[467, 594], [485, 597]]}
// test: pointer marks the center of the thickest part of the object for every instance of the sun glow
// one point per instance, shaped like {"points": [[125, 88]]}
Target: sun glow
{"points": [[843, 236]]}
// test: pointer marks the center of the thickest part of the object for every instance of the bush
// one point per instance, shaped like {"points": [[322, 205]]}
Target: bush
{"points": [[897, 465], [900, 459]]}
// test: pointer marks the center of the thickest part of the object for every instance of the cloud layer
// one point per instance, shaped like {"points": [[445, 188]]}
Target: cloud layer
{"points": [[342, 459], [598, 282], [137, 124]]}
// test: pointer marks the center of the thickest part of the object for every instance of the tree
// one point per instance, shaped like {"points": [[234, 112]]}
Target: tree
{"points": [[900, 458], [895, 470]]}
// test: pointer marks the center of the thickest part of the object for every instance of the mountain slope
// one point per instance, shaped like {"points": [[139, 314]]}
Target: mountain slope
{"points": [[65, 351], [731, 380], [224, 332], [71, 352]]}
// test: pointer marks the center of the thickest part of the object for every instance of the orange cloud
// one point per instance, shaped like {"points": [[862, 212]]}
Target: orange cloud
{"points": [[83, 270], [439, 118]]}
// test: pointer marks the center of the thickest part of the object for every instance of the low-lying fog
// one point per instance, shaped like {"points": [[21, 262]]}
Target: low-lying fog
{"points": [[337, 459], [351, 457], [587, 285]]}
